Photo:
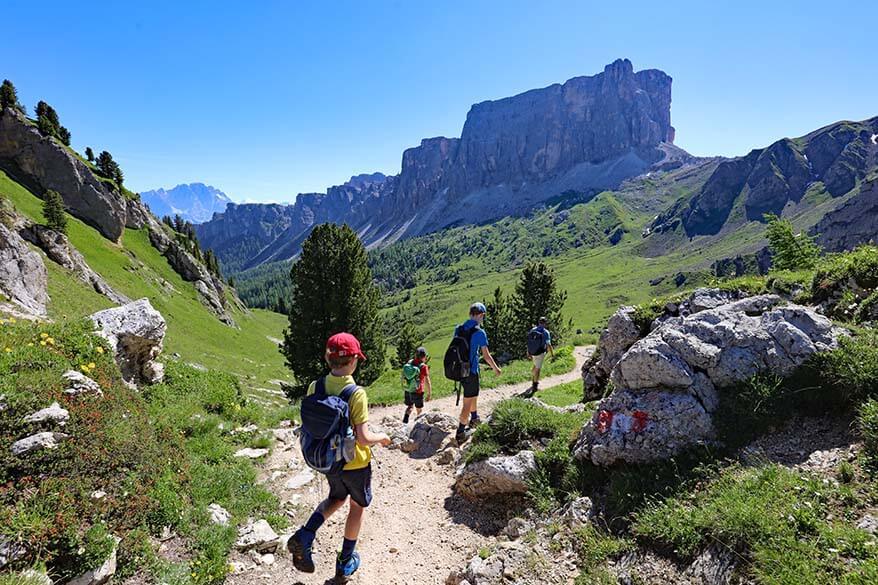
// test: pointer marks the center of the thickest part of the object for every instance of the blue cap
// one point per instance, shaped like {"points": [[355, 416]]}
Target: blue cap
{"points": [[477, 308]]}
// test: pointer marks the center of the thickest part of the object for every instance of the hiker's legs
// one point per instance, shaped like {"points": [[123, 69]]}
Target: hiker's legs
{"points": [[417, 412], [469, 405], [329, 507], [354, 522]]}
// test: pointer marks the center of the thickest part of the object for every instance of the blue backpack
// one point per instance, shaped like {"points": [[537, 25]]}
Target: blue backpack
{"points": [[327, 438]]}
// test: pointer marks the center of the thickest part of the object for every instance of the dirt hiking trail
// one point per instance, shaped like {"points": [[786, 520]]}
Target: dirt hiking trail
{"points": [[415, 532]]}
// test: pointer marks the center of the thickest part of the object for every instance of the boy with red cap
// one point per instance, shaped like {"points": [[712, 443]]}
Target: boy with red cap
{"points": [[355, 480]]}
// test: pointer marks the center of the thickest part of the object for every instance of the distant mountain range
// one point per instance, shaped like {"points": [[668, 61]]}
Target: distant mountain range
{"points": [[581, 137], [195, 202]]}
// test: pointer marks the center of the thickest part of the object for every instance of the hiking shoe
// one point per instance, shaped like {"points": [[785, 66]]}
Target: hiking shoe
{"points": [[345, 568], [474, 422], [405, 418], [461, 437], [300, 547]]}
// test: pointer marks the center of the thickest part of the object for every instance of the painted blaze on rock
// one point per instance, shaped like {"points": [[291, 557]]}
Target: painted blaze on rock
{"points": [[666, 383]]}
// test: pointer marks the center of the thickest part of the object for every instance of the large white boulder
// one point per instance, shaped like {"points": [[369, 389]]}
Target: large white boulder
{"points": [[666, 383], [36, 442], [136, 333], [500, 475]]}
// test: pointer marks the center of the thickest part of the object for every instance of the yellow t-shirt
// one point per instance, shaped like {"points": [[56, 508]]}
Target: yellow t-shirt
{"points": [[359, 408]]}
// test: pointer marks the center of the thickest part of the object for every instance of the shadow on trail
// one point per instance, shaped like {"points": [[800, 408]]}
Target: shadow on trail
{"points": [[487, 517]]}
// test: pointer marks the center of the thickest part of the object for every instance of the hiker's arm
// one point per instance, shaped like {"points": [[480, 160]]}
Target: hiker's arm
{"points": [[429, 385], [551, 350], [366, 438], [489, 360]]}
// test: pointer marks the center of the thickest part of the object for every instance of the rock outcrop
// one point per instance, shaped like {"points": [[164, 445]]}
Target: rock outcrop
{"points": [[78, 383], [666, 385], [768, 180], [496, 476], [59, 249], [42, 163], [135, 333], [210, 288], [257, 535], [37, 442], [853, 223], [586, 135], [432, 431], [23, 276]]}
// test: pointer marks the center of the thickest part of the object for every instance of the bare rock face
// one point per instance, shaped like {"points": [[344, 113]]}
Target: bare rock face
{"points": [[620, 334], [500, 475], [23, 276], [851, 224], [136, 333], [43, 163], [210, 289], [59, 249], [666, 384]]}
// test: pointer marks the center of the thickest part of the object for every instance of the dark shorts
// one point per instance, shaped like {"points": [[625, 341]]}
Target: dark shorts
{"points": [[414, 399], [356, 483], [470, 386]]}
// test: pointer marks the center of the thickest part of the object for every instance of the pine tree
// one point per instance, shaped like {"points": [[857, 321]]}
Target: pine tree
{"points": [[89, 154], [64, 135], [106, 164], [53, 211], [407, 341], [499, 324], [9, 97], [536, 295], [790, 251], [332, 291]]}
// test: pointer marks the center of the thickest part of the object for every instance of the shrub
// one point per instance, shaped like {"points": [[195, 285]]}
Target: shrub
{"points": [[845, 280], [867, 421], [789, 250], [848, 374]]}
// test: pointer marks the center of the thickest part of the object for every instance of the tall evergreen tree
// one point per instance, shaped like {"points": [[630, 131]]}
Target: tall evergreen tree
{"points": [[106, 165], [9, 96], [53, 211], [332, 291], [789, 250], [407, 341], [536, 295], [499, 325], [89, 154]]}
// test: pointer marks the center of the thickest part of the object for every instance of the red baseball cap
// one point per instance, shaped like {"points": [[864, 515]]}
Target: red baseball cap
{"points": [[343, 345]]}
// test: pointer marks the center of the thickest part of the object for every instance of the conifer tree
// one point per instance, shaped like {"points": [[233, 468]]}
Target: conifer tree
{"points": [[789, 250], [407, 341], [9, 96], [499, 324], [53, 211], [536, 295], [89, 154], [332, 291]]}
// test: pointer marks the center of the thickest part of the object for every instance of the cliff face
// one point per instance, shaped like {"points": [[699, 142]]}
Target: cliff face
{"points": [[585, 135], [42, 163], [770, 179], [854, 223]]}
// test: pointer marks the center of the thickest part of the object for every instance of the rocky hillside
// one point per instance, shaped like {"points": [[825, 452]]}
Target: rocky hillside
{"points": [[829, 163], [583, 136], [195, 202]]}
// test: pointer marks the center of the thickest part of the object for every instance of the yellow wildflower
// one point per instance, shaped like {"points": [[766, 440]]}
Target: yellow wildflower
{"points": [[43, 343], [8, 350], [11, 320], [91, 365], [84, 368], [100, 349], [44, 335], [50, 340], [31, 344]]}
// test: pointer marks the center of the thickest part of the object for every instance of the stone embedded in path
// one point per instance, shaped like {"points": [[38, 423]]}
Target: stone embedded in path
{"points": [[218, 515], [53, 413], [45, 440], [666, 384], [257, 535], [101, 574], [78, 383], [301, 479], [429, 432], [500, 475], [251, 453]]}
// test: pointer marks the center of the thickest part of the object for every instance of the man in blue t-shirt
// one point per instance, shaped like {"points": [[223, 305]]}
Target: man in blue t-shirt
{"points": [[478, 346]]}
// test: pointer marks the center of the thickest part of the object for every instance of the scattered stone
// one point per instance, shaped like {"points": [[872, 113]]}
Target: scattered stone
{"points": [[135, 333], [78, 383], [10, 551], [3, 404], [517, 527], [257, 535], [578, 512], [98, 495], [45, 440], [285, 424], [448, 456], [101, 574], [869, 523], [54, 414], [430, 430], [219, 515], [496, 475], [715, 565], [245, 430], [267, 559], [396, 430], [251, 453], [301, 479], [285, 435]]}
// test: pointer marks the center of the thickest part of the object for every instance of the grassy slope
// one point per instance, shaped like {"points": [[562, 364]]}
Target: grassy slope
{"points": [[137, 270]]}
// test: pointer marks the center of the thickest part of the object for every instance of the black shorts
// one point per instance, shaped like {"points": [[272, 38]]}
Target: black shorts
{"points": [[356, 483], [470, 386], [414, 399]]}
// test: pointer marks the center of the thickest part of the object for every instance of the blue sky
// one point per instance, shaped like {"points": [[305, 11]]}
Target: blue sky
{"points": [[267, 99]]}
